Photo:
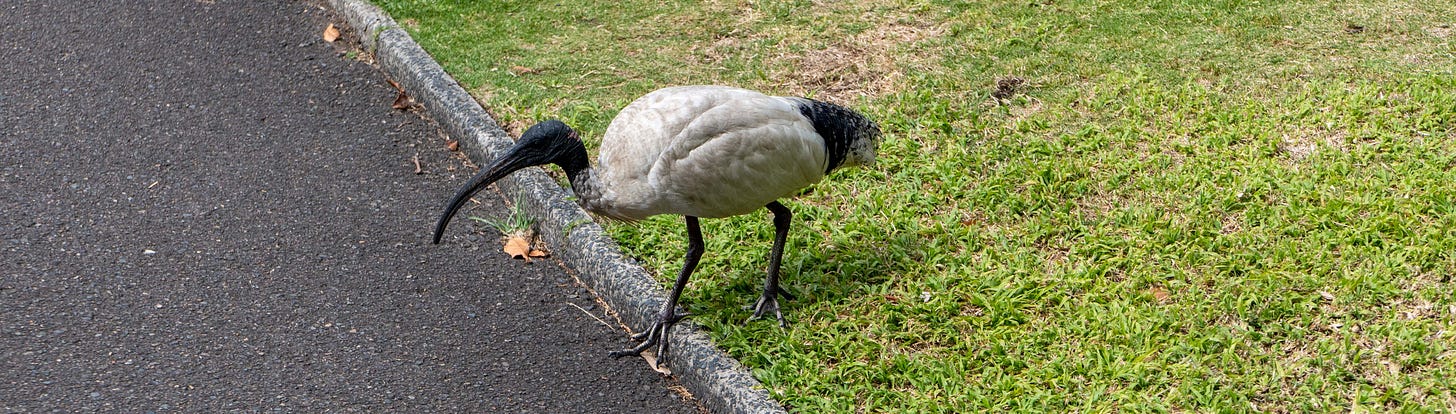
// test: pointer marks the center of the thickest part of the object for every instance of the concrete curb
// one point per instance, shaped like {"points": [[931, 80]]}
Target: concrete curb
{"points": [[719, 381]]}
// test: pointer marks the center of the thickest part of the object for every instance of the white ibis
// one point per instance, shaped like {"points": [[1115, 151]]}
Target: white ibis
{"points": [[698, 152]]}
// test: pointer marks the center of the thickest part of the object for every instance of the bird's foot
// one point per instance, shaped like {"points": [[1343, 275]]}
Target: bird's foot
{"points": [[769, 303], [655, 335]]}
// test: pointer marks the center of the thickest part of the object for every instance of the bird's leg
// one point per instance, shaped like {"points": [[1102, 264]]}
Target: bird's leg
{"points": [[769, 301], [669, 316]]}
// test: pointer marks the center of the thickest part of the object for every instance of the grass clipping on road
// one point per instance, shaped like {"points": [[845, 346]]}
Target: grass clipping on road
{"points": [[1080, 206]]}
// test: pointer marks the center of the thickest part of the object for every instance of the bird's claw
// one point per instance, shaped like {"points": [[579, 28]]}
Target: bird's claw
{"points": [[655, 335], [769, 303], [782, 294], [636, 337]]}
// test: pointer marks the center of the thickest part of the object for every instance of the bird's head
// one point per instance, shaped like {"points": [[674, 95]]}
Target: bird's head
{"points": [[549, 142], [862, 149]]}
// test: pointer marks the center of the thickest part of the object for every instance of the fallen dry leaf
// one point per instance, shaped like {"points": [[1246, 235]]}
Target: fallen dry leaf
{"points": [[518, 248], [522, 70], [652, 362], [1007, 87], [1160, 294], [331, 33], [452, 145], [401, 102]]}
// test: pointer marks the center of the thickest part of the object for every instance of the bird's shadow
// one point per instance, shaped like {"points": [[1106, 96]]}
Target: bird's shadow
{"points": [[818, 267]]}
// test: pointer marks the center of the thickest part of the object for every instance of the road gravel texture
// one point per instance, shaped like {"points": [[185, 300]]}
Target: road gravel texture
{"points": [[205, 207]]}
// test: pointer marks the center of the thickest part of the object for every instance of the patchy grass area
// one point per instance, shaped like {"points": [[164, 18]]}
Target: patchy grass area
{"points": [[1080, 206]]}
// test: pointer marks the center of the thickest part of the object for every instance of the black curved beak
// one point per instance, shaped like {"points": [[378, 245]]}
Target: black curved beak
{"points": [[503, 166], [544, 143]]}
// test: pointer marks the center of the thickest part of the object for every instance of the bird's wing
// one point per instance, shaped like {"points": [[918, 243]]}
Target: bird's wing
{"points": [[736, 156], [631, 146], [650, 124]]}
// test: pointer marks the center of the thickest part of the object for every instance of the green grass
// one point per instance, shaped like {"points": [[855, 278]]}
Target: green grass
{"points": [[517, 222], [1221, 206]]}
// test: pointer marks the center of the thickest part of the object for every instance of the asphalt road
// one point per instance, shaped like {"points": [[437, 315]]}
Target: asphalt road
{"points": [[204, 207]]}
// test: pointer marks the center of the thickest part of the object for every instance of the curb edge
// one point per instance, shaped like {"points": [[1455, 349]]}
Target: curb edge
{"points": [[720, 382]]}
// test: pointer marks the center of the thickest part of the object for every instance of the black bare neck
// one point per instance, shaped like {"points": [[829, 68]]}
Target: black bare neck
{"points": [[839, 126]]}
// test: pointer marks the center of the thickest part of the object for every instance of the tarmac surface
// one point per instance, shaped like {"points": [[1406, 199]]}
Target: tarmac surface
{"points": [[206, 207]]}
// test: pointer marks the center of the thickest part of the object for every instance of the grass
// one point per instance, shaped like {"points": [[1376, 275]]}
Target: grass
{"points": [[1220, 206], [516, 223]]}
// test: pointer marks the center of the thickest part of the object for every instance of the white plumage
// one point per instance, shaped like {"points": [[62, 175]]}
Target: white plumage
{"points": [[696, 151], [664, 152]]}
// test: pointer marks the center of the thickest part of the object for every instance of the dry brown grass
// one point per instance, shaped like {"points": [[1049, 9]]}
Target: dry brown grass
{"points": [[838, 65], [1442, 31], [1301, 143], [864, 65]]}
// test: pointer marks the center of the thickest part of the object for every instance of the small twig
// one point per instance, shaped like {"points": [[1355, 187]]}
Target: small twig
{"points": [[604, 323], [418, 169]]}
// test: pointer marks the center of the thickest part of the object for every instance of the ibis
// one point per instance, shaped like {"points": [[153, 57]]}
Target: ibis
{"points": [[697, 152]]}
